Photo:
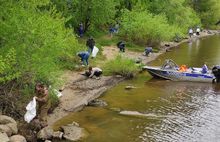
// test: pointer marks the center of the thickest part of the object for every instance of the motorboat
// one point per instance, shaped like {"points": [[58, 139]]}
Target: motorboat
{"points": [[171, 71]]}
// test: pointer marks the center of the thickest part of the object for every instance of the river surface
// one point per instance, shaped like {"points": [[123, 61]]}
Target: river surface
{"points": [[161, 110]]}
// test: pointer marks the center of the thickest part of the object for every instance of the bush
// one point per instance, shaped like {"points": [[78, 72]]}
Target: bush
{"points": [[39, 41], [146, 28], [120, 66]]}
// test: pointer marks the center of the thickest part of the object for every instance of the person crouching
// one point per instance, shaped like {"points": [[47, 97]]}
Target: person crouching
{"points": [[97, 72]]}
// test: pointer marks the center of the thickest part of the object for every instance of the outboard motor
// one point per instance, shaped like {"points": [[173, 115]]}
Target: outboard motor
{"points": [[216, 72]]}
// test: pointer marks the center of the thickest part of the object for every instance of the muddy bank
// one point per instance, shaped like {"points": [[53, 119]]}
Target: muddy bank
{"points": [[80, 90]]}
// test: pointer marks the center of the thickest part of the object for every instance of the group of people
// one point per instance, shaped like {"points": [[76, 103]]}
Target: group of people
{"points": [[183, 68], [197, 31]]}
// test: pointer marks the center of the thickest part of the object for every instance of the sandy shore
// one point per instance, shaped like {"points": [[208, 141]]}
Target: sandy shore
{"points": [[79, 90]]}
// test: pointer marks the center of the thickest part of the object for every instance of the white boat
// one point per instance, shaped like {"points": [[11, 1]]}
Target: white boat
{"points": [[170, 70]]}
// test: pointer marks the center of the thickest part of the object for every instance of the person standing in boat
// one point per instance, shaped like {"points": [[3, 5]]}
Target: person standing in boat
{"points": [[204, 68]]}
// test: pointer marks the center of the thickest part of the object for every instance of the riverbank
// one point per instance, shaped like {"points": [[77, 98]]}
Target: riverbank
{"points": [[79, 90]]}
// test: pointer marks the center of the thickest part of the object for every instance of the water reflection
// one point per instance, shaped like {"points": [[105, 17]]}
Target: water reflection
{"points": [[196, 109]]}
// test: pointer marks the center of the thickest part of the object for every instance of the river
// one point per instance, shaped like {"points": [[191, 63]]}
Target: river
{"points": [[169, 111]]}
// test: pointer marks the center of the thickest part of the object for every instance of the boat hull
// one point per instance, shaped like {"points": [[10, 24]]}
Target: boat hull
{"points": [[179, 76]]}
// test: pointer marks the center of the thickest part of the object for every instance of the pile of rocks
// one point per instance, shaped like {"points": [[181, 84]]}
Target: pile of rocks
{"points": [[9, 130], [71, 132]]}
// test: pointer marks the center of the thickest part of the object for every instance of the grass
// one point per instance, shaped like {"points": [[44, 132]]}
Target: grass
{"points": [[120, 66]]}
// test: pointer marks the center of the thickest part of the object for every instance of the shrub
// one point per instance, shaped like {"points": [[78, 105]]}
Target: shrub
{"points": [[145, 27], [120, 66], [39, 39]]}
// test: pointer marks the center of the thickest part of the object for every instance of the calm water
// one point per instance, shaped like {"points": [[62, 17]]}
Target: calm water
{"points": [[174, 111]]}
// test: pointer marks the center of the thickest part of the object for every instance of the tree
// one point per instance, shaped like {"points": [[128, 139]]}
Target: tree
{"points": [[38, 38], [208, 10], [92, 13]]}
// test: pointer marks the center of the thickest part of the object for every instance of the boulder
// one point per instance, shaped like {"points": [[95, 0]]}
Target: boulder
{"points": [[97, 103], [17, 138], [5, 129], [45, 133], [4, 137], [58, 135], [6, 119], [130, 87], [73, 132], [13, 127], [9, 122]]}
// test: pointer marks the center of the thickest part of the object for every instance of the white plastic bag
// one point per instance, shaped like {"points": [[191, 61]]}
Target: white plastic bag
{"points": [[31, 111], [95, 51]]}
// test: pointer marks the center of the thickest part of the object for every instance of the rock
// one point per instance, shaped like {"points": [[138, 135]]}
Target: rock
{"points": [[13, 127], [130, 87], [73, 133], [5, 129], [167, 44], [6, 119], [10, 122], [45, 133], [118, 76], [75, 123], [58, 134], [115, 109], [47, 141], [138, 60], [97, 103], [4, 137], [17, 138]]}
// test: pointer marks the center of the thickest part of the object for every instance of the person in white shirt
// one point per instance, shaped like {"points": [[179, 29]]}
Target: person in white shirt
{"points": [[95, 72], [197, 31], [190, 32]]}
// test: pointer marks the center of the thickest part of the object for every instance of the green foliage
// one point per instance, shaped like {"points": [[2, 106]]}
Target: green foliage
{"points": [[146, 28], [208, 10], [120, 66], [7, 70], [39, 39], [92, 13]]}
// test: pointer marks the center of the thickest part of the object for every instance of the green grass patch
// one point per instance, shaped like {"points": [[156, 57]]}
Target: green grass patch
{"points": [[120, 66]]}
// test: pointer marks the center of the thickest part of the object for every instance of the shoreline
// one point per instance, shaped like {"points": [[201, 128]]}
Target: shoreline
{"points": [[79, 90]]}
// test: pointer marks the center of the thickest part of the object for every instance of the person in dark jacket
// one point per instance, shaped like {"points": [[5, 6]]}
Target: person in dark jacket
{"points": [[121, 46], [147, 51], [84, 55], [90, 43], [81, 30]]}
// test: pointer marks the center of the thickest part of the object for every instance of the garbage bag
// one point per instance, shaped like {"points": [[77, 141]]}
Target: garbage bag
{"points": [[95, 51], [31, 111]]}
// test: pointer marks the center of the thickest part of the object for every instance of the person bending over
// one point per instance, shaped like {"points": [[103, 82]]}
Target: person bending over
{"points": [[84, 56], [95, 72]]}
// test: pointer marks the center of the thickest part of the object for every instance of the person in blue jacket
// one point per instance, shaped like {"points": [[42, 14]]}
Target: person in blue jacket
{"points": [[84, 55], [205, 68], [148, 50]]}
